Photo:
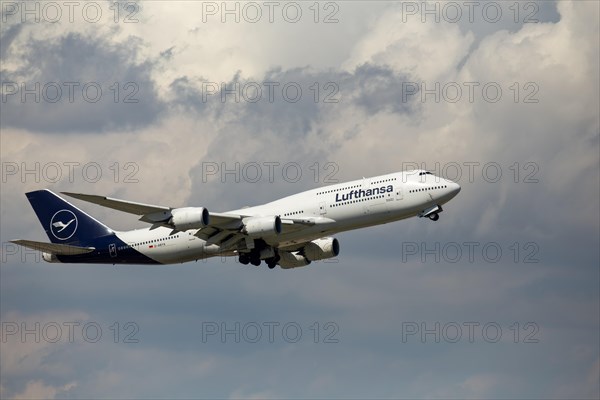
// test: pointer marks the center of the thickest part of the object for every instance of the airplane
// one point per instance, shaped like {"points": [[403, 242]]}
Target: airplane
{"points": [[290, 232]]}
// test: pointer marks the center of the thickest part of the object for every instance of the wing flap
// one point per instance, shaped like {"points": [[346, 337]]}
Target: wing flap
{"points": [[54, 248]]}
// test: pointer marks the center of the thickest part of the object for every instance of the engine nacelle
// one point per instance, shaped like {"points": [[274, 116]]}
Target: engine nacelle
{"points": [[321, 249], [262, 226], [49, 257], [288, 260], [189, 218]]}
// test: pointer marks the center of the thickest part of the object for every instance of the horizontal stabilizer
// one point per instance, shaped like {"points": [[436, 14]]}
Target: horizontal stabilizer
{"points": [[53, 248]]}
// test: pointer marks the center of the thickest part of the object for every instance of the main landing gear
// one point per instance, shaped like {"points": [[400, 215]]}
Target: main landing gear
{"points": [[254, 259], [249, 259], [434, 216], [272, 262]]}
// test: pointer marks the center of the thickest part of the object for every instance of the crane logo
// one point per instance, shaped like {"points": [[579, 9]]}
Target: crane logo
{"points": [[63, 224]]}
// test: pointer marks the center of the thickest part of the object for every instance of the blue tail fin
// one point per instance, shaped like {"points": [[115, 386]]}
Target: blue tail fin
{"points": [[64, 223]]}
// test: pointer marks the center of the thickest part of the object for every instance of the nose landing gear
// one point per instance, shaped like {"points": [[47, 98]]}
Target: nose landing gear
{"points": [[433, 213]]}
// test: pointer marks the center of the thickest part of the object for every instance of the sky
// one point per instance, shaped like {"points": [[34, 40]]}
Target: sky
{"points": [[232, 104]]}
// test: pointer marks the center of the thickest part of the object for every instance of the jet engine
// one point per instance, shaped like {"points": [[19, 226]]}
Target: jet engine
{"points": [[189, 218], [262, 226], [321, 249], [288, 260], [318, 249]]}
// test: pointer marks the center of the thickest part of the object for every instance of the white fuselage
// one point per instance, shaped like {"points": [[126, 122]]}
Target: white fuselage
{"points": [[336, 208]]}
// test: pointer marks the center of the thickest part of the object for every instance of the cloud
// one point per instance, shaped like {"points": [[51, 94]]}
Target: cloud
{"points": [[371, 54], [397, 41], [28, 364], [8, 35], [38, 390], [79, 84]]}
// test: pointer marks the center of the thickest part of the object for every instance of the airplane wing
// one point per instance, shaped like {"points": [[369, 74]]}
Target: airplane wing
{"points": [[53, 248], [148, 212], [224, 229], [121, 205]]}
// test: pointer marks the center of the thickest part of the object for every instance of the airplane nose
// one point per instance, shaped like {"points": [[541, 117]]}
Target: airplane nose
{"points": [[454, 188]]}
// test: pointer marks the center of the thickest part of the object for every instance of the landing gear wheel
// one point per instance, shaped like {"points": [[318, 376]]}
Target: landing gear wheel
{"points": [[255, 261], [244, 259], [272, 262], [434, 216]]}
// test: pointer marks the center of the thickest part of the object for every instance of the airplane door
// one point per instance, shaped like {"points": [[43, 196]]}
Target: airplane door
{"points": [[322, 208], [112, 249], [398, 193]]}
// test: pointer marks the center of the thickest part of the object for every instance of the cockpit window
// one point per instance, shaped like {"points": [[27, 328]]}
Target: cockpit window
{"points": [[425, 173]]}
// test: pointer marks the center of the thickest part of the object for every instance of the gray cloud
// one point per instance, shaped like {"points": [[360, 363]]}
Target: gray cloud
{"points": [[84, 85], [371, 291], [249, 132], [8, 36]]}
